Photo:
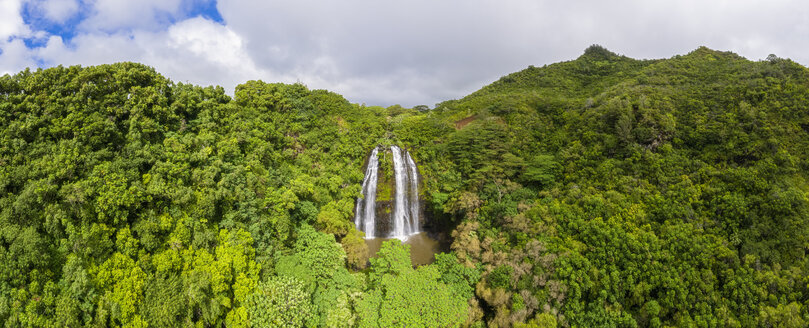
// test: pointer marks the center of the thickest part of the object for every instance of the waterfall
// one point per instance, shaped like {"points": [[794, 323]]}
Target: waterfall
{"points": [[401, 217], [404, 220], [365, 213], [413, 194], [405, 208]]}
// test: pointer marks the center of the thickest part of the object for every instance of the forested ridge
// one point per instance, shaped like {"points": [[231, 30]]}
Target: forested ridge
{"points": [[599, 192]]}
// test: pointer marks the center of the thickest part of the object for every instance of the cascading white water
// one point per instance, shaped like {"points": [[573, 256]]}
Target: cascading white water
{"points": [[404, 221], [365, 213], [401, 217], [414, 194]]}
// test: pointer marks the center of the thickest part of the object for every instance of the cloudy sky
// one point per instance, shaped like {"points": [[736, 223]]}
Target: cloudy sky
{"points": [[383, 52]]}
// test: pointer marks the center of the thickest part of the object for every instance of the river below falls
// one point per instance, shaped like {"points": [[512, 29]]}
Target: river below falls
{"points": [[422, 247]]}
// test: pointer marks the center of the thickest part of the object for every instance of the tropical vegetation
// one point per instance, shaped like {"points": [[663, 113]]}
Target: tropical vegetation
{"points": [[599, 192]]}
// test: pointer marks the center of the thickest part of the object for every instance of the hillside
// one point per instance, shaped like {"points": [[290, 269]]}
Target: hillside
{"points": [[608, 191], [599, 192]]}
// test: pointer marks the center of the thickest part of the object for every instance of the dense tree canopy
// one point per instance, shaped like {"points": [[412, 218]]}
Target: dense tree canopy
{"points": [[603, 191], [607, 191]]}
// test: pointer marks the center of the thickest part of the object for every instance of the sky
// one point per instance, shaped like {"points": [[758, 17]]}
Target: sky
{"points": [[381, 52]]}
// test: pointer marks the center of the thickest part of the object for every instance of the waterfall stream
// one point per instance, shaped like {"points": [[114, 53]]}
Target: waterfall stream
{"points": [[403, 219], [365, 213], [413, 195]]}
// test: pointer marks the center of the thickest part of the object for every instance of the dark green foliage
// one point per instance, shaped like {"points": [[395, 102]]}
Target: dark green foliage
{"points": [[456, 275], [500, 277], [542, 170], [607, 191]]}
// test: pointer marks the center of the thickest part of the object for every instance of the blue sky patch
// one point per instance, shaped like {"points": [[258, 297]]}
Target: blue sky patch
{"points": [[206, 9], [34, 16]]}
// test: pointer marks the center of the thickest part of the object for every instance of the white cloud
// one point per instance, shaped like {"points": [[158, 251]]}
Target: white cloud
{"points": [[414, 52], [204, 52], [57, 10], [405, 46], [90, 49], [115, 15], [426, 51], [15, 57], [196, 50], [211, 41], [11, 23]]}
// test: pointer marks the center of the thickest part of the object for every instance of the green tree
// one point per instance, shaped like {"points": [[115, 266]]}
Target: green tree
{"points": [[404, 297], [281, 302]]}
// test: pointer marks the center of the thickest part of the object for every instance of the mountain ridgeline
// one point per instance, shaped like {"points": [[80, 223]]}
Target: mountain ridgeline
{"points": [[599, 192]]}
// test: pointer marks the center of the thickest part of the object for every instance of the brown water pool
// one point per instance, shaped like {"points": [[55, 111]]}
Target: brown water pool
{"points": [[422, 247]]}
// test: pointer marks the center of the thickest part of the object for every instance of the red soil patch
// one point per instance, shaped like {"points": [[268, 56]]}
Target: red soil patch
{"points": [[464, 122]]}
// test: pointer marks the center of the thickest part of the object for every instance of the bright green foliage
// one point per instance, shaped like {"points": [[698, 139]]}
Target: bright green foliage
{"points": [[126, 198], [782, 316], [165, 304], [542, 320], [336, 217], [336, 307], [211, 287], [319, 263], [393, 258], [125, 243], [281, 302], [318, 255], [121, 283], [404, 297]]}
